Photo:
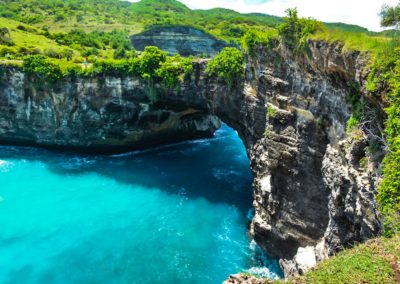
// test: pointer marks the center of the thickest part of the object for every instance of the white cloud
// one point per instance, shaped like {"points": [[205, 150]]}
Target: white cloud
{"points": [[359, 12]]}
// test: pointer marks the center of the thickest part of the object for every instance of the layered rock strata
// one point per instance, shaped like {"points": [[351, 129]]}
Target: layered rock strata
{"points": [[179, 40]]}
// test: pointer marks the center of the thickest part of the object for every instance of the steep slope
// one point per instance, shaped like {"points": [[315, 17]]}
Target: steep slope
{"points": [[28, 38], [107, 15]]}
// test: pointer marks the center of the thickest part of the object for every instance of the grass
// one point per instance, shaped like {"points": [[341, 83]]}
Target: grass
{"points": [[356, 41], [33, 38], [376, 261], [91, 23]]}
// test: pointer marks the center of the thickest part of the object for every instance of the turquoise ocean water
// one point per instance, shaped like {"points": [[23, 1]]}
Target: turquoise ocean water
{"points": [[174, 214]]}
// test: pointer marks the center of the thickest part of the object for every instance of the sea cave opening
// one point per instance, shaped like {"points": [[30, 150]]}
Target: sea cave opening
{"points": [[175, 213]]}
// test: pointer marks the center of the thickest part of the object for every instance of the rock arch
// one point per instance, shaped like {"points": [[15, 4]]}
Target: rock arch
{"points": [[310, 194]]}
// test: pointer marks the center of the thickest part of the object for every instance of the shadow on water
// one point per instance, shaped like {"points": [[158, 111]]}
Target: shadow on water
{"points": [[186, 242], [216, 169]]}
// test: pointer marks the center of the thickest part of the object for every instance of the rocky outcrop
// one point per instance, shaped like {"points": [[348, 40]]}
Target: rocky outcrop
{"points": [[102, 114], [311, 195], [314, 190], [245, 279], [179, 40]]}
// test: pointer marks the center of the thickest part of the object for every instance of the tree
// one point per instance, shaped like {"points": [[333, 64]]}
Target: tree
{"points": [[390, 16], [295, 31], [4, 32], [43, 69], [150, 60], [5, 37], [174, 70], [228, 66]]}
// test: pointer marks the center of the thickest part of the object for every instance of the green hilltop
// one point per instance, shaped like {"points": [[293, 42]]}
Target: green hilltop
{"points": [[57, 28], [106, 15]]}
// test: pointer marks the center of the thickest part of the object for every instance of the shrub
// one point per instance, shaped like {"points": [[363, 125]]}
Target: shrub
{"points": [[59, 17], [52, 53], [90, 51], [358, 107], [352, 124], [174, 70], [111, 67], [122, 53], [390, 16], [385, 75], [253, 38], [5, 37], [151, 59], [7, 50], [271, 112], [228, 66], [295, 31], [22, 28], [41, 67]]}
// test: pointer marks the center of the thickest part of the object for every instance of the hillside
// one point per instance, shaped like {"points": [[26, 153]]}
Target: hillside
{"points": [[106, 15], [101, 27], [373, 262]]}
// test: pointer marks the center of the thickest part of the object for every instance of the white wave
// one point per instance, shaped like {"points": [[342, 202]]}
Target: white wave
{"points": [[77, 163], [5, 166], [253, 245], [224, 173], [263, 272]]}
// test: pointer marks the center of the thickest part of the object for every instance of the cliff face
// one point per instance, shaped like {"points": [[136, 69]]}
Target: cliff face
{"points": [[93, 114], [312, 195], [179, 40]]}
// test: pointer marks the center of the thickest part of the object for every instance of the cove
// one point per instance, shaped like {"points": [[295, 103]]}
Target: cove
{"points": [[174, 214]]}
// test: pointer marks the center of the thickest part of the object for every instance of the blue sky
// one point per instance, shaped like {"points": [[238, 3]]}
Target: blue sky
{"points": [[359, 12]]}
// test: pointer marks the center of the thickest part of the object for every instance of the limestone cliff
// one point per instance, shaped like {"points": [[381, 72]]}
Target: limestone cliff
{"points": [[312, 196], [179, 40], [106, 114]]}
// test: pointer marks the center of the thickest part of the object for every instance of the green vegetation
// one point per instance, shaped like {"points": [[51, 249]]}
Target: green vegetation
{"points": [[108, 15], [358, 108], [375, 45], [99, 40], [271, 112], [28, 40], [5, 37], [150, 61], [174, 70], [295, 31], [373, 262], [386, 74], [390, 16], [63, 28], [228, 66], [40, 67], [254, 38], [153, 66]]}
